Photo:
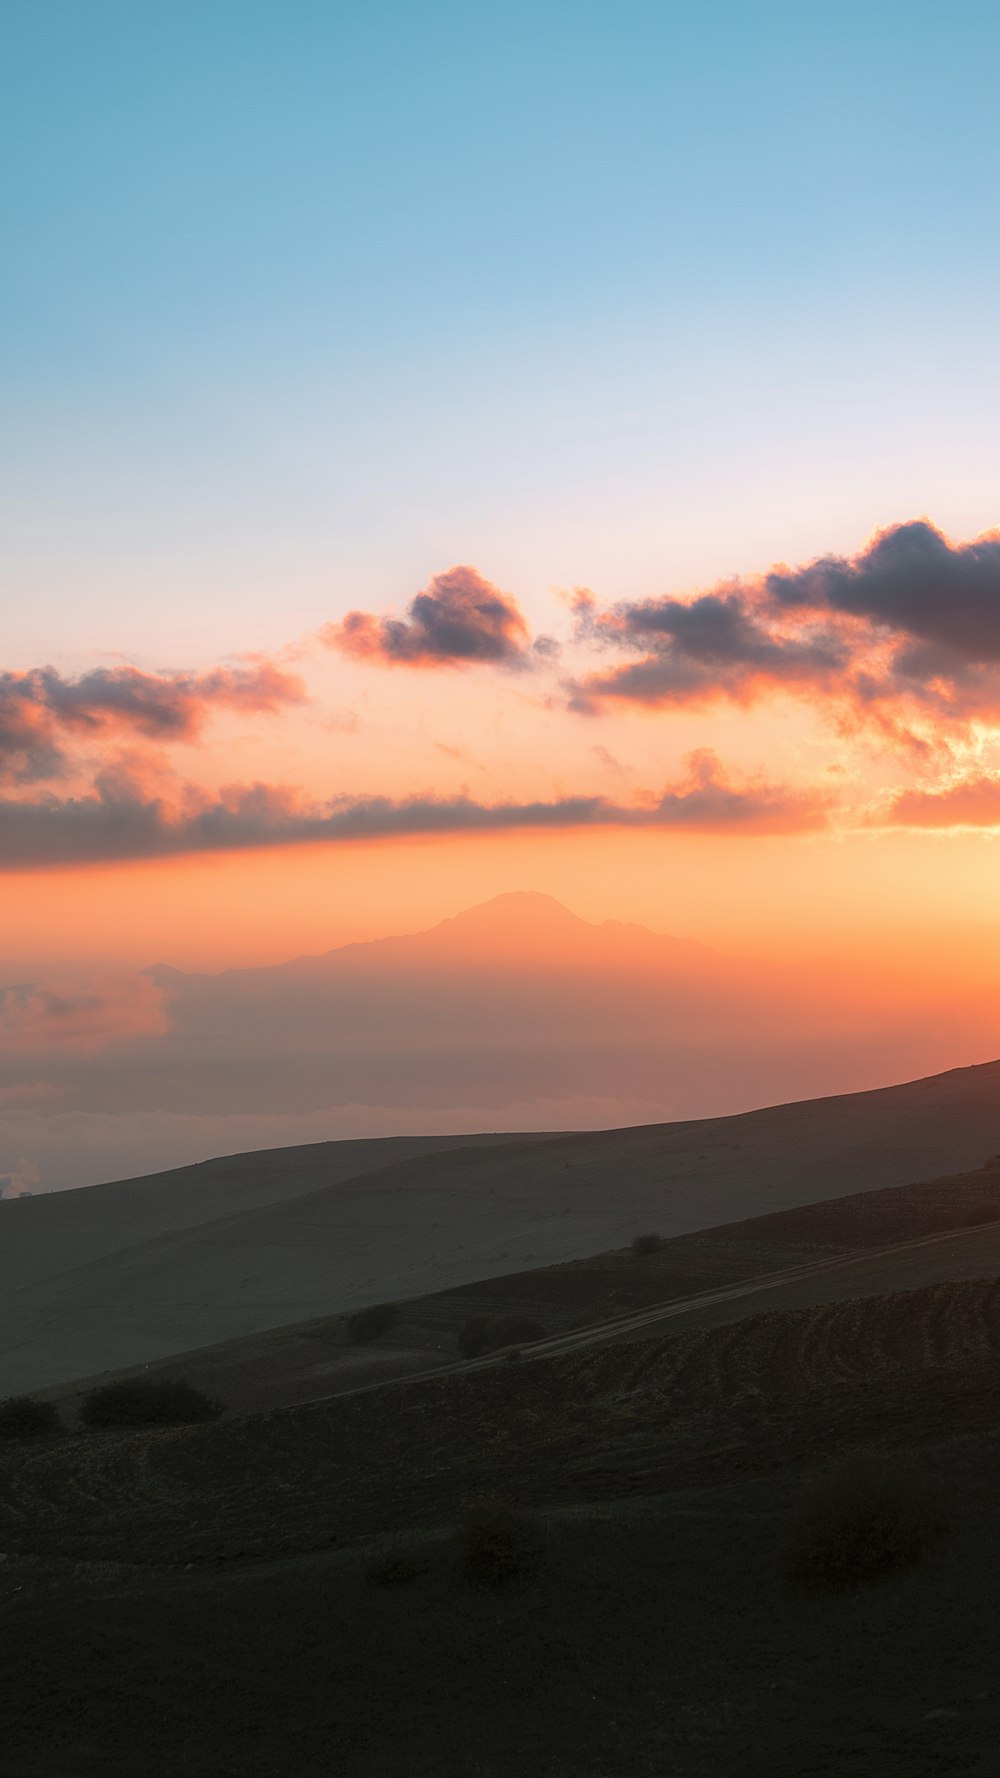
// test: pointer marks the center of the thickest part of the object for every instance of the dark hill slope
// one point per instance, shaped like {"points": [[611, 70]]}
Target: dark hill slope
{"points": [[442, 1219], [689, 1409], [868, 1244]]}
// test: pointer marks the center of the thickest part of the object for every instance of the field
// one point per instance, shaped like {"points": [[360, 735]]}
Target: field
{"points": [[281, 1594], [201, 1597]]}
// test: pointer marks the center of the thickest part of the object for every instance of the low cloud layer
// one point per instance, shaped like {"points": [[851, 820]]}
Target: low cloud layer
{"points": [[120, 821], [458, 619], [80, 1015], [43, 714], [21, 1181]]}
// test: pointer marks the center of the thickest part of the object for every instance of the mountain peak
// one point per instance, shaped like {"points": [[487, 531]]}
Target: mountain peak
{"points": [[520, 913]]}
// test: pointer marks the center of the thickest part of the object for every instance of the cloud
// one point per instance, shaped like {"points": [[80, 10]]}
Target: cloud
{"points": [[21, 1182], [972, 802], [77, 1015], [910, 580], [41, 711], [709, 803], [120, 820], [908, 628], [714, 646], [458, 619]]}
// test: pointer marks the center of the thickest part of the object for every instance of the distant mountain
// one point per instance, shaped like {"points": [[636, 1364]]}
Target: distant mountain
{"points": [[515, 1014], [519, 1002]]}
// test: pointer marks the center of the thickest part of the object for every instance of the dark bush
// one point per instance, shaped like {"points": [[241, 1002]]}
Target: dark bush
{"points": [[860, 1523], [483, 1335], [148, 1401], [497, 1544], [23, 1416], [395, 1565], [644, 1244], [367, 1324]]}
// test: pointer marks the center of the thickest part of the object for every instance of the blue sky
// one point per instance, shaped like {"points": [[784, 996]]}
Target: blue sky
{"points": [[304, 303]]}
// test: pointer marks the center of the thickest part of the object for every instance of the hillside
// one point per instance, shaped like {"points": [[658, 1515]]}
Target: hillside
{"points": [[439, 1220], [212, 1598], [869, 1244]]}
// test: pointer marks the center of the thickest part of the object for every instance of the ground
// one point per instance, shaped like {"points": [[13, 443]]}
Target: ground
{"points": [[201, 1599]]}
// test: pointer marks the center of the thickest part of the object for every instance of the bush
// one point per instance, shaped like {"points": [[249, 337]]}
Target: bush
{"points": [[24, 1416], [395, 1565], [497, 1544], [148, 1401], [367, 1324], [644, 1244], [860, 1523], [483, 1335]]}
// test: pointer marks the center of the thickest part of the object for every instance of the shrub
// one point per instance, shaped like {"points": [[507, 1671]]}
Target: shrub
{"points": [[497, 1544], [395, 1565], [24, 1416], [367, 1324], [148, 1401], [860, 1523], [644, 1244]]}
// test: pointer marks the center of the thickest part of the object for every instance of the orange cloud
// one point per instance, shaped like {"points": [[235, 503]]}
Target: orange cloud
{"points": [[80, 1014], [972, 802], [40, 710], [458, 619], [120, 820], [910, 625]]}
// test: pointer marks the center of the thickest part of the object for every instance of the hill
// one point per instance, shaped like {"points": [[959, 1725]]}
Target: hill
{"points": [[440, 1219], [867, 1244]]}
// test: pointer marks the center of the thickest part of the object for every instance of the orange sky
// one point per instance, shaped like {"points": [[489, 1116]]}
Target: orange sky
{"points": [[805, 763]]}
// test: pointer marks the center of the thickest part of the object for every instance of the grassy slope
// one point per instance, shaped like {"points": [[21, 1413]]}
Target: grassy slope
{"points": [[295, 1363], [441, 1220]]}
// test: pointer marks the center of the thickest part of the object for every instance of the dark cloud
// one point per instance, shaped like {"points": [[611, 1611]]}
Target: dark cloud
{"points": [[913, 582], [912, 622], [41, 711], [121, 820], [714, 646], [458, 619]]}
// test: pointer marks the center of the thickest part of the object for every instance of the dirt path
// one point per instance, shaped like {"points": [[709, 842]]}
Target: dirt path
{"points": [[902, 1266]]}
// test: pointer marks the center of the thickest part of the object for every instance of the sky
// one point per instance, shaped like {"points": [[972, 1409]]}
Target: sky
{"points": [[450, 450]]}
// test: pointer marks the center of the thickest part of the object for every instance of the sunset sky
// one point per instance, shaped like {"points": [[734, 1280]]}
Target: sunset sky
{"points": [[451, 449]]}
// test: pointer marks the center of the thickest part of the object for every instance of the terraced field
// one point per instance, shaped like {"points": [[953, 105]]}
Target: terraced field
{"points": [[199, 1599], [632, 1419]]}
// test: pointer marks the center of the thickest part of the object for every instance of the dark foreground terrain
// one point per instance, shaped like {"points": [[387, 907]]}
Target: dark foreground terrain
{"points": [[282, 1594]]}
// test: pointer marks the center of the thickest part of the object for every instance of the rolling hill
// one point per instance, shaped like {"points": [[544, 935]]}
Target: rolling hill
{"points": [[87, 1286]]}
